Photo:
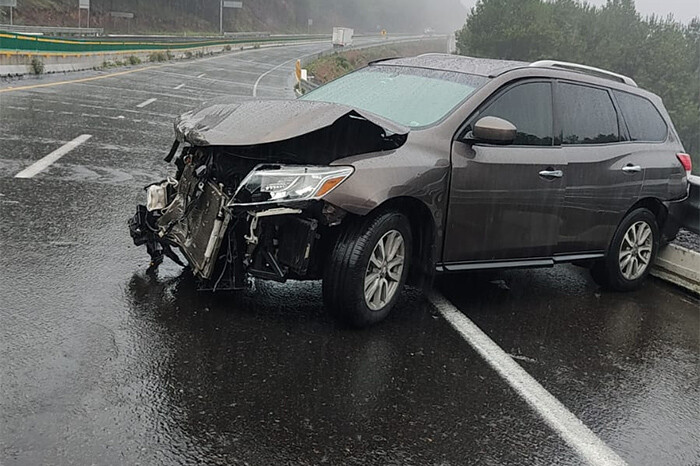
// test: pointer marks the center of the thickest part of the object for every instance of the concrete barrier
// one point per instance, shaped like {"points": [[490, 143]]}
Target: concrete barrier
{"points": [[680, 266]]}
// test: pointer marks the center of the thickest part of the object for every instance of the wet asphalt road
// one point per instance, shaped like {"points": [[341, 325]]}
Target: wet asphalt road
{"points": [[103, 364]]}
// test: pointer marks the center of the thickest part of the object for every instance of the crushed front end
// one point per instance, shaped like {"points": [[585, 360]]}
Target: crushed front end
{"points": [[247, 197], [234, 217]]}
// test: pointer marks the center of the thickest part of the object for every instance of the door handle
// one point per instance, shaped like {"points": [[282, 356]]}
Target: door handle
{"points": [[629, 168], [551, 174]]}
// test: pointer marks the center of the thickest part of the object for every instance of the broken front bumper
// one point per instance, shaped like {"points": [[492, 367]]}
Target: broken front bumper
{"points": [[224, 241]]}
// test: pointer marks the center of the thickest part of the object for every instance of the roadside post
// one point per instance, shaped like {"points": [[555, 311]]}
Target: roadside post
{"points": [[226, 4], [297, 71], [12, 4], [84, 5]]}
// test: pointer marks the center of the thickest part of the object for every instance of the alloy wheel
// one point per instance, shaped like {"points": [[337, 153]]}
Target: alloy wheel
{"points": [[635, 250], [384, 270]]}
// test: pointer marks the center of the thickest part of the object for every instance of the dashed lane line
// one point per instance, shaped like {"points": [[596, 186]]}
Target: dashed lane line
{"points": [[591, 448], [201, 75], [255, 86], [81, 80], [179, 86], [42, 164], [146, 102]]}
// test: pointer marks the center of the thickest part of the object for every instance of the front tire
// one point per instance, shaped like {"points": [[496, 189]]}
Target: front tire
{"points": [[631, 253], [367, 268]]}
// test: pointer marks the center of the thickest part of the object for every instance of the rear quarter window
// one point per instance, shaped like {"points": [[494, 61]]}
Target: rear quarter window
{"points": [[587, 115], [643, 119]]}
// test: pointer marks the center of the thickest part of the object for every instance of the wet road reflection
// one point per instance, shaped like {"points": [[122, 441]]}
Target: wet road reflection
{"points": [[625, 364], [267, 377]]}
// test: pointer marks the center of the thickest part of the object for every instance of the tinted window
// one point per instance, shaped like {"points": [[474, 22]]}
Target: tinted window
{"points": [[414, 97], [587, 115], [642, 118], [529, 108]]}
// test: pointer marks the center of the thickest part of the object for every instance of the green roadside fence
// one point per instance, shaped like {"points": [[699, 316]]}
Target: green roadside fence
{"points": [[12, 43]]}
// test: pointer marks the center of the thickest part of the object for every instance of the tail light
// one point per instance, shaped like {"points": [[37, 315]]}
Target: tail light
{"points": [[685, 160]]}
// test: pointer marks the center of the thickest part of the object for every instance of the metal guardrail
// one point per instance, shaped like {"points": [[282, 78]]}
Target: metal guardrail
{"points": [[247, 35], [16, 43], [50, 30], [307, 86], [691, 217]]}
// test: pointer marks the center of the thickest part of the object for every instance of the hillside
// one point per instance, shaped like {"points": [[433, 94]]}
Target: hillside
{"points": [[179, 16]]}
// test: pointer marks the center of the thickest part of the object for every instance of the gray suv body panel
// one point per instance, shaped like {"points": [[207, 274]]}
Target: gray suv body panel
{"points": [[488, 203]]}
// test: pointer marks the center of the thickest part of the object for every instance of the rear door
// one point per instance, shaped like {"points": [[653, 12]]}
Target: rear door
{"points": [[604, 173], [505, 200]]}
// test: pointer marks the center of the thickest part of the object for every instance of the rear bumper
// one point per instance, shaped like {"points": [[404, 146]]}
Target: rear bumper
{"points": [[690, 215]]}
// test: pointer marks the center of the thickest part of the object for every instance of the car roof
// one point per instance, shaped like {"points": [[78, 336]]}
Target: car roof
{"points": [[457, 63], [489, 67]]}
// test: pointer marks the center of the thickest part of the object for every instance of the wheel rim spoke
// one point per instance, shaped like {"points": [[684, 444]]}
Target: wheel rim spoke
{"points": [[374, 260], [625, 254], [380, 249], [646, 232], [625, 262], [395, 246], [371, 288]]}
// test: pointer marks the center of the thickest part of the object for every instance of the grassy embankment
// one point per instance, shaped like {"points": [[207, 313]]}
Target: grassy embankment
{"points": [[330, 67]]}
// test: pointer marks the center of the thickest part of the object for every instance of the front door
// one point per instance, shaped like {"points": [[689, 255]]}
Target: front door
{"points": [[505, 201]]}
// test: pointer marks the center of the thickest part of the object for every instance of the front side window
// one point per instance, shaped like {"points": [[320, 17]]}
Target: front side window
{"points": [[529, 107], [643, 119], [587, 115]]}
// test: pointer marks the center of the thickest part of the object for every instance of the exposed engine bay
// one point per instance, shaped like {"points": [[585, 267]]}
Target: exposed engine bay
{"points": [[254, 210]]}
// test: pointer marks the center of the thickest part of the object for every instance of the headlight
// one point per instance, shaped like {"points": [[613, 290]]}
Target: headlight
{"points": [[287, 183]]}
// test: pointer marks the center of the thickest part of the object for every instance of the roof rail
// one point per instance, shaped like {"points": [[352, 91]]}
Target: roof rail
{"points": [[585, 69]]}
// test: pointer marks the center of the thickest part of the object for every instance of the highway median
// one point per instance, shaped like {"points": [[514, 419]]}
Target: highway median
{"points": [[22, 54]]}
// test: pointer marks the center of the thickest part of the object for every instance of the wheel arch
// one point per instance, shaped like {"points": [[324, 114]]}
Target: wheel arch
{"points": [[655, 206], [424, 233]]}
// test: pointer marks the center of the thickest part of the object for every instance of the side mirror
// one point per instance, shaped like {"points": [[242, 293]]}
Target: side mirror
{"points": [[494, 130]]}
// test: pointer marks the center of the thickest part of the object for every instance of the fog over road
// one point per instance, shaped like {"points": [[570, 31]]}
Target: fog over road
{"points": [[103, 364]]}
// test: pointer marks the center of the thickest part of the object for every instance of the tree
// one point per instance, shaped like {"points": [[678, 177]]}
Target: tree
{"points": [[662, 55]]}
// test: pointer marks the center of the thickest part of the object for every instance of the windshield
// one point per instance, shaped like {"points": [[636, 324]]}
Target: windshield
{"points": [[413, 97]]}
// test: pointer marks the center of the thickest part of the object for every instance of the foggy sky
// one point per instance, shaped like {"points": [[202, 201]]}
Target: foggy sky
{"points": [[682, 10]]}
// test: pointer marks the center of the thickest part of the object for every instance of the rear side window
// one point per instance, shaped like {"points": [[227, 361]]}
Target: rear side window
{"points": [[643, 119], [587, 115], [529, 107]]}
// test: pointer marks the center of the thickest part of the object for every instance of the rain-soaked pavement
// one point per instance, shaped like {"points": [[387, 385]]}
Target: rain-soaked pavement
{"points": [[103, 364]]}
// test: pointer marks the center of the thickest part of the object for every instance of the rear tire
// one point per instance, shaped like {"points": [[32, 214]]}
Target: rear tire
{"points": [[631, 254], [367, 268]]}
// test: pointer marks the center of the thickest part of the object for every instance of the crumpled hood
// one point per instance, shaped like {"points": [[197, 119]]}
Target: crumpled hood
{"points": [[267, 121]]}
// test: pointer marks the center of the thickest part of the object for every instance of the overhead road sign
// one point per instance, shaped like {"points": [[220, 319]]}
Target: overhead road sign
{"points": [[121, 14], [226, 4]]}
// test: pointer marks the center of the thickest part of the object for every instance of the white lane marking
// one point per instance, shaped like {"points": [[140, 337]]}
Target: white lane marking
{"points": [[42, 164], [255, 86], [146, 102], [202, 75], [554, 413], [179, 86]]}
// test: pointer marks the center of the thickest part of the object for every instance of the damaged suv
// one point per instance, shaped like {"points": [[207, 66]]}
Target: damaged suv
{"points": [[413, 166]]}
